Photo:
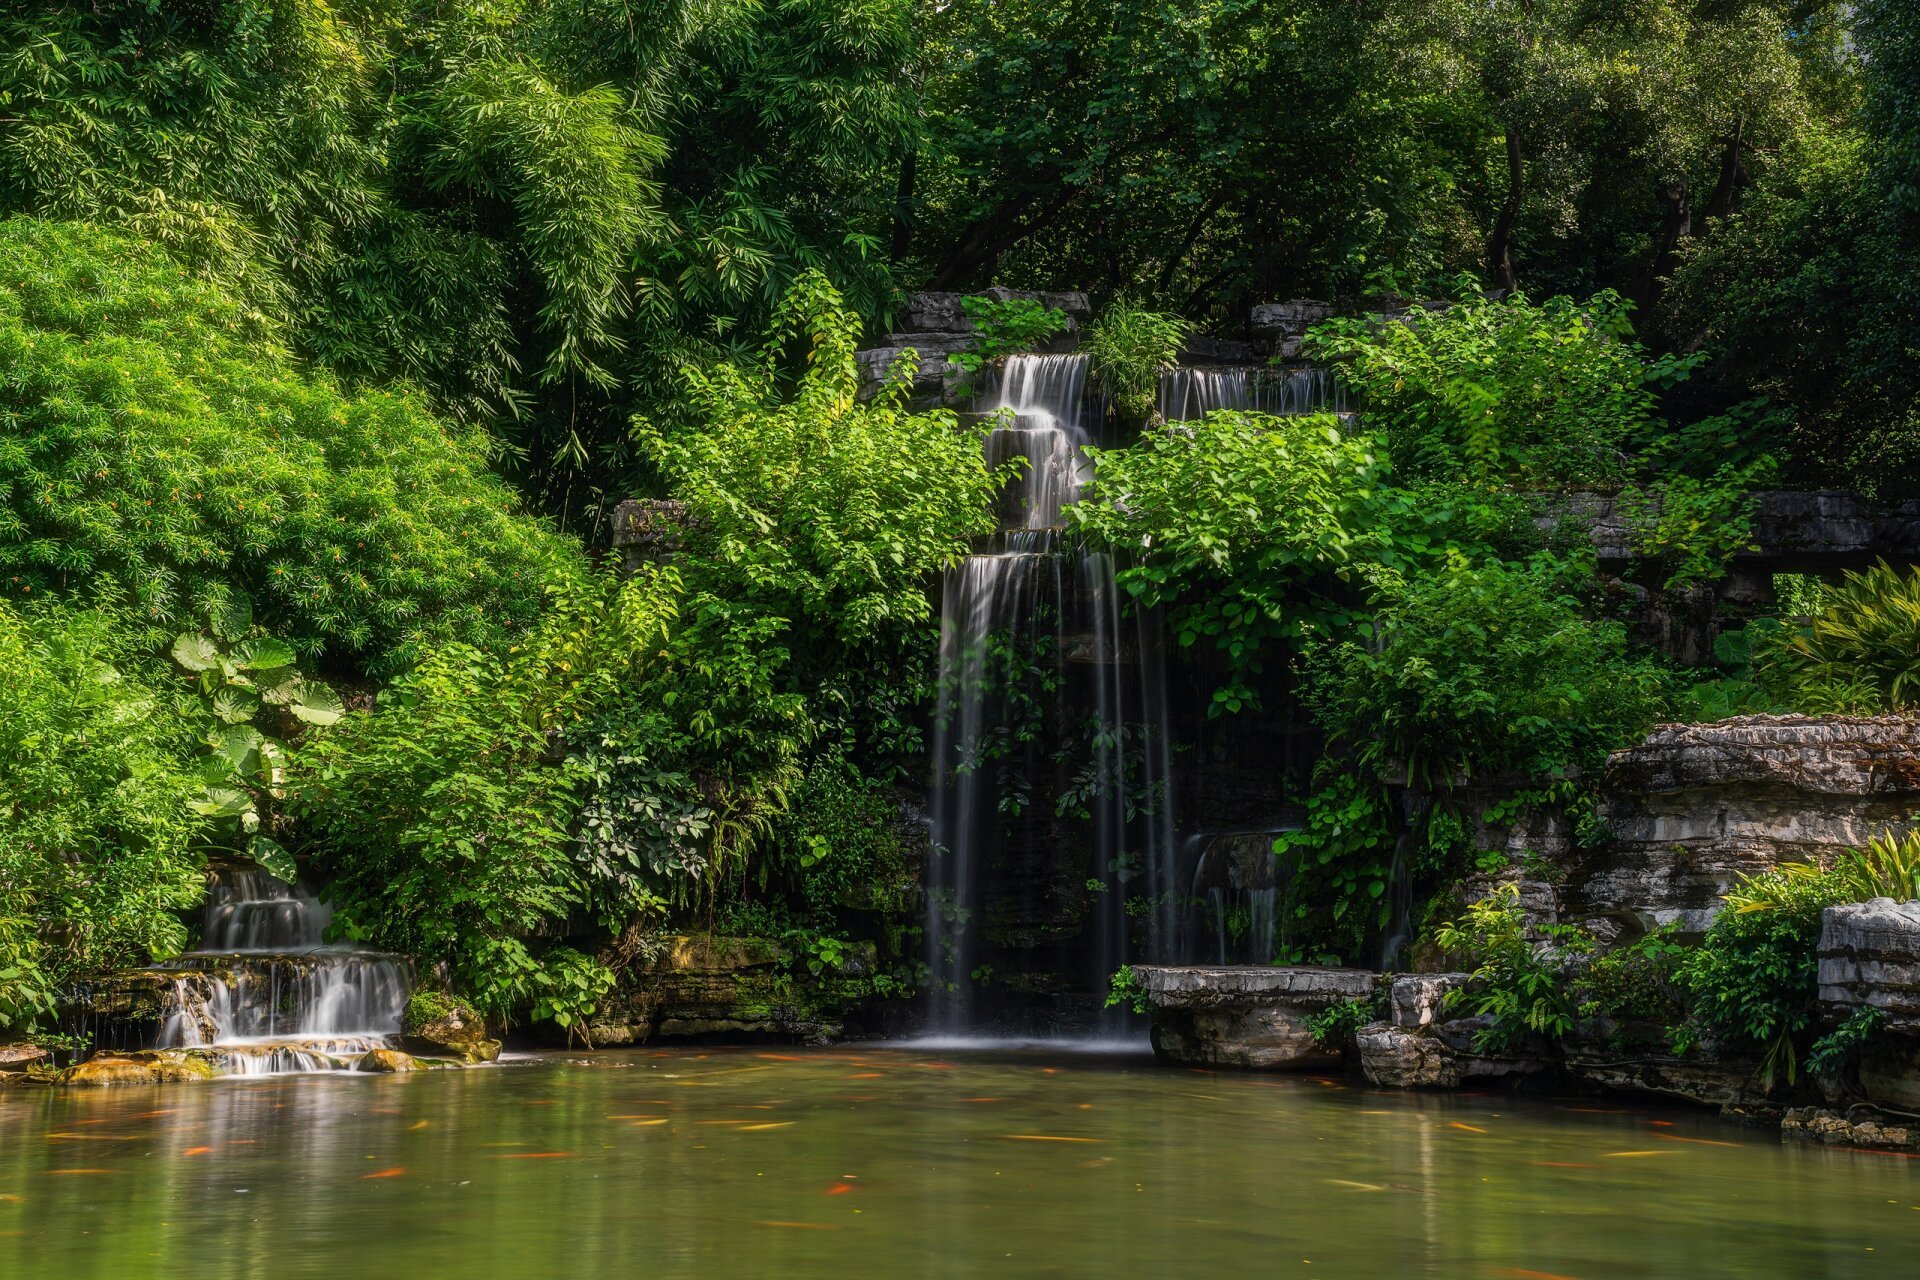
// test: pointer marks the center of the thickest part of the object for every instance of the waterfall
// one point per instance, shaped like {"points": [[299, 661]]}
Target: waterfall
{"points": [[1025, 623], [264, 995], [1187, 395]]}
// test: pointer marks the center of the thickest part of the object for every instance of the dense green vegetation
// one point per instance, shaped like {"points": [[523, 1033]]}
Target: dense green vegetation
{"points": [[331, 332]]}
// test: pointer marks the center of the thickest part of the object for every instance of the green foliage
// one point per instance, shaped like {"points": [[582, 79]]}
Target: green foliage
{"points": [[1242, 526], [445, 810], [1694, 527], [1515, 983], [427, 1006], [1334, 1026], [1480, 669], [1637, 982], [1859, 654], [1840, 1047], [1542, 396], [1128, 347], [99, 833], [1335, 870], [1006, 327], [156, 443], [1125, 990]]}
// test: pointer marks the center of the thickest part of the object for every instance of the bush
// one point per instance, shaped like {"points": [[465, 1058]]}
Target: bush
{"points": [[1859, 654], [1480, 669], [1242, 525], [156, 441], [1128, 347], [1538, 395], [448, 810], [98, 832]]}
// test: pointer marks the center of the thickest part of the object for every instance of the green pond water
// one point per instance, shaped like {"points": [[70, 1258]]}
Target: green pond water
{"points": [[903, 1162]]}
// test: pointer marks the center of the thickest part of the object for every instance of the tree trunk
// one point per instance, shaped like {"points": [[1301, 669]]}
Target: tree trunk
{"points": [[1725, 199], [1500, 247], [1676, 226]]}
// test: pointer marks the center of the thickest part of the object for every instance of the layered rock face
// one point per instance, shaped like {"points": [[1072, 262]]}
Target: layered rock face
{"points": [[1695, 807], [936, 326], [1246, 1015]]}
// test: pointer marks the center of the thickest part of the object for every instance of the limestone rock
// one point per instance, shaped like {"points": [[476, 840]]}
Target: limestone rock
{"points": [[1396, 1058], [1888, 1073], [155, 1066], [18, 1058], [1417, 999], [386, 1062], [1288, 319], [1695, 807], [1246, 1016], [1870, 955]]}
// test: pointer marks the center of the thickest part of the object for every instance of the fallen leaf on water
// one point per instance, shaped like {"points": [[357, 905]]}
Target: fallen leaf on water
{"points": [[196, 1151], [800, 1226], [1455, 1124], [384, 1173], [1046, 1137], [771, 1124]]}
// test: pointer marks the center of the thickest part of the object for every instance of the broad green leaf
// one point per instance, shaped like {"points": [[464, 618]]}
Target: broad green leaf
{"points": [[316, 703], [273, 858], [239, 746], [196, 652], [235, 705], [262, 654], [222, 802], [231, 617]]}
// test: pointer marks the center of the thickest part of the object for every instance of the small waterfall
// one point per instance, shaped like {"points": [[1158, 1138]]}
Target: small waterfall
{"points": [[264, 995], [1022, 624], [1187, 395]]}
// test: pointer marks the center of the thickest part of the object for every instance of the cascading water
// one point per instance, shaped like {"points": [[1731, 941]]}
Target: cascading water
{"points": [[264, 994], [1187, 395], [1024, 625]]}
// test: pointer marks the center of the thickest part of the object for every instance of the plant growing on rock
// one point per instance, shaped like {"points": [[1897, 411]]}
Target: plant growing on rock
{"points": [[1128, 347], [1859, 654], [1516, 983], [1005, 327]]}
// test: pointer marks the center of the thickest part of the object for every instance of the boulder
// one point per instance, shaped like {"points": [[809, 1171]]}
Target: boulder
{"points": [[1246, 1015], [386, 1062], [441, 1026], [1395, 1058], [154, 1066], [1416, 999], [1851, 1130], [16, 1059], [1870, 957]]}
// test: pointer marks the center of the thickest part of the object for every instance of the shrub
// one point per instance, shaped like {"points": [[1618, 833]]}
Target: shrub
{"points": [[1484, 668], [1127, 348], [1539, 395], [1515, 984], [1860, 653], [98, 829], [156, 441], [1001, 327]]}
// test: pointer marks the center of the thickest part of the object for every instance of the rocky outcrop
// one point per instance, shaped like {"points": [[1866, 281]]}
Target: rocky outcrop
{"points": [[1870, 957], [1695, 807], [1246, 1016], [1794, 531], [17, 1059], [936, 326], [1851, 1130], [1395, 1058]]}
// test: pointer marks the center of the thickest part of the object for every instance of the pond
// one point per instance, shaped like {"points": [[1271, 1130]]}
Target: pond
{"points": [[896, 1161]]}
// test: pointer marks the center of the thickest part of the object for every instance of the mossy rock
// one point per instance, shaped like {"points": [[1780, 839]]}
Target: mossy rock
{"points": [[440, 1025], [157, 1066], [387, 1062]]}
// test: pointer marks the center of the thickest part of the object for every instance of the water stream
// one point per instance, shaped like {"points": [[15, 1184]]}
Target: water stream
{"points": [[264, 994]]}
